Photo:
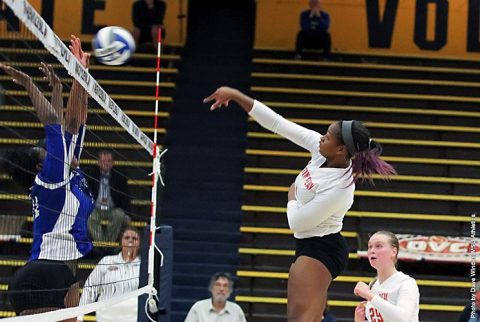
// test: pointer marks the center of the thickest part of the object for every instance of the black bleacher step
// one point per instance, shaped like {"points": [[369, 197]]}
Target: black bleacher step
{"points": [[372, 99], [195, 257], [429, 294], [255, 261], [178, 316], [123, 73], [137, 103], [94, 119], [195, 291], [412, 206], [197, 210], [363, 70], [370, 203], [411, 185], [408, 168], [454, 150], [181, 307], [364, 86], [36, 57], [203, 269], [173, 210], [20, 42], [278, 241], [184, 223], [385, 130], [413, 60], [196, 235], [199, 245], [181, 279], [345, 112]]}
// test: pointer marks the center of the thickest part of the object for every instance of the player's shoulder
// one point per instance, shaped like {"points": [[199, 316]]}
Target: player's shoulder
{"points": [[406, 280]]}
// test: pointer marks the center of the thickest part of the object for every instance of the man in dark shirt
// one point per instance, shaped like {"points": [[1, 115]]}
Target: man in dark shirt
{"points": [[313, 34], [147, 16], [110, 190]]}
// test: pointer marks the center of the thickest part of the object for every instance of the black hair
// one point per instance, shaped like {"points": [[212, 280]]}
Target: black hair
{"points": [[21, 164], [366, 155]]}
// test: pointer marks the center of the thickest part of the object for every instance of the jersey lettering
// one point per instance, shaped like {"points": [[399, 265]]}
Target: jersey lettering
{"points": [[375, 316]]}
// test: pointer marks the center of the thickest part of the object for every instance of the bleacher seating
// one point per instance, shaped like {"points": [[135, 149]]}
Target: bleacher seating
{"points": [[422, 111]]}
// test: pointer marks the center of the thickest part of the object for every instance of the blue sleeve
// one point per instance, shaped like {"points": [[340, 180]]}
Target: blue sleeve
{"points": [[324, 21], [56, 166], [305, 20]]}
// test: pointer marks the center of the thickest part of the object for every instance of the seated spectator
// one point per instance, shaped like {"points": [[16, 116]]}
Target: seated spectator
{"points": [[147, 17], [112, 199], [113, 276], [313, 34], [467, 315], [217, 308]]}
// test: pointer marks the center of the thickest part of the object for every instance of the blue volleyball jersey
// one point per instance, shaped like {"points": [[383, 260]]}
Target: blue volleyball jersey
{"points": [[61, 200]]}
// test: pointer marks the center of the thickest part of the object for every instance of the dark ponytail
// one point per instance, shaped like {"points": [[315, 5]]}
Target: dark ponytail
{"points": [[365, 152], [21, 165]]}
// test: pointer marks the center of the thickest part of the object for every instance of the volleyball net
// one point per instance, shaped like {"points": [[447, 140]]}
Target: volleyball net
{"points": [[46, 95]]}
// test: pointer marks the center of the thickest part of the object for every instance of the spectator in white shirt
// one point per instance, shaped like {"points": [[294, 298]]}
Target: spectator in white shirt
{"points": [[113, 276], [217, 308], [393, 296]]}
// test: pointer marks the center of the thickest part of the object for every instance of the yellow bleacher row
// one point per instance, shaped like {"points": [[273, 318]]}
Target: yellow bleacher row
{"points": [[385, 141], [373, 80], [377, 194], [374, 109], [383, 67], [44, 52], [125, 69], [109, 82], [376, 95], [358, 193]]}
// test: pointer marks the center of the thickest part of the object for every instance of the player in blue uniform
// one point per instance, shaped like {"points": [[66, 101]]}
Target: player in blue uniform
{"points": [[60, 197]]}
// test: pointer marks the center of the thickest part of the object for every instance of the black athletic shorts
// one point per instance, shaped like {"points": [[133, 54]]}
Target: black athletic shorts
{"points": [[40, 283], [331, 250]]}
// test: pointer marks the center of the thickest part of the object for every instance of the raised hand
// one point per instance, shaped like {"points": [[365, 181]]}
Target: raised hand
{"points": [[76, 49], [362, 290], [360, 312], [222, 97], [18, 77], [50, 75]]}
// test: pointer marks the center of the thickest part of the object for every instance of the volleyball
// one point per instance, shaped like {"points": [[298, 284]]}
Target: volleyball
{"points": [[113, 45]]}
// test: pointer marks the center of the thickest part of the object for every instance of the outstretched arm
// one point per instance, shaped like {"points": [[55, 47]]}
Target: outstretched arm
{"points": [[266, 117], [45, 112], [223, 95], [57, 89], [77, 104]]}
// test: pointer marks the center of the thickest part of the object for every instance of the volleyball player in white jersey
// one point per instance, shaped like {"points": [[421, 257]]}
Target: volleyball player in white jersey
{"points": [[60, 197], [393, 295], [318, 199], [113, 276]]}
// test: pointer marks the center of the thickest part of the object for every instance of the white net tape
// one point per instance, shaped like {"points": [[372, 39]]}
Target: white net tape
{"points": [[80, 310]]}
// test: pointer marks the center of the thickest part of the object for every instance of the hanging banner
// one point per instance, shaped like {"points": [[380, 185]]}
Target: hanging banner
{"points": [[436, 249]]}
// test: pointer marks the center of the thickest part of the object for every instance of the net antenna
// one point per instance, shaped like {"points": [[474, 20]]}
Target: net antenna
{"points": [[34, 22]]}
